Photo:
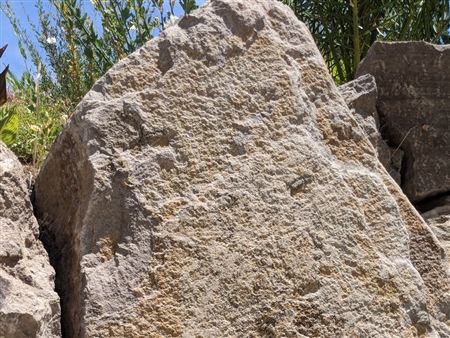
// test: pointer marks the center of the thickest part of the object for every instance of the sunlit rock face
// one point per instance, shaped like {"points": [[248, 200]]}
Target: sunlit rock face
{"points": [[29, 306], [215, 184]]}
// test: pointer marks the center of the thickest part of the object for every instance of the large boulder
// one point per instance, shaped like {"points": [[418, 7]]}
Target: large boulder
{"points": [[29, 306], [215, 184], [413, 103]]}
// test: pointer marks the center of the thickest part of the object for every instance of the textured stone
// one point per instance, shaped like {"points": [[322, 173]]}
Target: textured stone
{"points": [[215, 184], [413, 103], [436, 213], [361, 97], [29, 307], [439, 222]]}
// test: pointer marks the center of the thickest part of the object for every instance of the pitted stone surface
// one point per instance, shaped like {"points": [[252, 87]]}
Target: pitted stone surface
{"points": [[436, 213], [29, 307], [215, 184]]}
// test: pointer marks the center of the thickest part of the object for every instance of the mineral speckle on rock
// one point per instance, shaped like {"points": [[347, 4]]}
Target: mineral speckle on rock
{"points": [[29, 306], [215, 184]]}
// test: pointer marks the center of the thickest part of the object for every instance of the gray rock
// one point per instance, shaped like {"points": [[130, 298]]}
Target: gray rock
{"points": [[215, 184], [29, 307], [413, 103]]}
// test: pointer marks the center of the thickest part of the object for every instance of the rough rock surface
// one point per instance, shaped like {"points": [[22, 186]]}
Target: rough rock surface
{"points": [[361, 97], [413, 103], [437, 214], [439, 222], [215, 184], [29, 307]]}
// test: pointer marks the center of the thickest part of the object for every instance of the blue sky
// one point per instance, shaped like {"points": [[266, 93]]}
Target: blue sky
{"points": [[12, 55], [21, 9]]}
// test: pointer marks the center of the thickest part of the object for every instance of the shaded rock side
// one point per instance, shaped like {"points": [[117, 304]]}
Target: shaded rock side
{"points": [[413, 103], [215, 184], [29, 306]]}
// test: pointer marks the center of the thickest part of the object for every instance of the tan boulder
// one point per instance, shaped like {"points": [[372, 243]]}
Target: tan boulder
{"points": [[215, 184]]}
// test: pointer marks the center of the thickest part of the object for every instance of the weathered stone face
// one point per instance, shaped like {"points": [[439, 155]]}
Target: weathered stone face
{"points": [[413, 103], [361, 97], [29, 307], [214, 184], [437, 214]]}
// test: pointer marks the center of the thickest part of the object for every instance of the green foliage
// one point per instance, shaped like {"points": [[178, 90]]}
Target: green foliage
{"points": [[76, 54], [9, 124], [126, 26], [344, 30], [188, 6], [39, 115]]}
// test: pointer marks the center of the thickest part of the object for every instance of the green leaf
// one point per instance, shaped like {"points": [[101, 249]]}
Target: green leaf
{"points": [[9, 124], [22, 50], [125, 14], [188, 6], [88, 52]]}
